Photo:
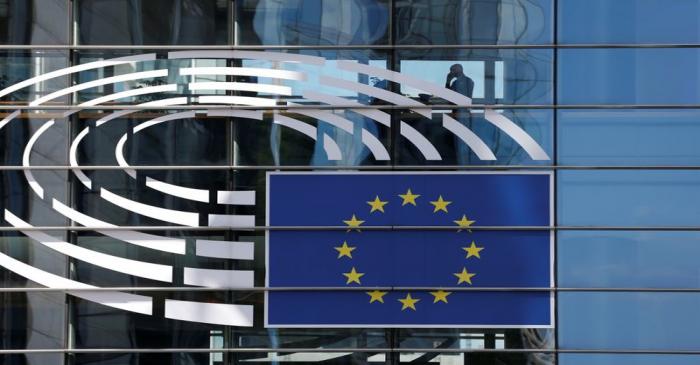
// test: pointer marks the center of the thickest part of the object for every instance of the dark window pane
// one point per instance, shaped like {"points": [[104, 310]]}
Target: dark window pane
{"points": [[152, 22], [428, 22], [629, 21], [34, 22], [312, 22], [626, 359]]}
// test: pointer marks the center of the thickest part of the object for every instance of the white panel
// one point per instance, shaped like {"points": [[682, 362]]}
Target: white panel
{"points": [[163, 214], [241, 197], [230, 220], [331, 148], [131, 93], [240, 100], [248, 114], [241, 86], [225, 249], [219, 278], [244, 71], [213, 313], [199, 195]]}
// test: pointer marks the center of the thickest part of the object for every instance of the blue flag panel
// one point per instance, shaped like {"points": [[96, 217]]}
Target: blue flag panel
{"points": [[437, 261]]}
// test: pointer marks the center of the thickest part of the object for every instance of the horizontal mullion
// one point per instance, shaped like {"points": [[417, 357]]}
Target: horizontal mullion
{"points": [[380, 168], [345, 228], [350, 289], [347, 349], [345, 46], [343, 107]]}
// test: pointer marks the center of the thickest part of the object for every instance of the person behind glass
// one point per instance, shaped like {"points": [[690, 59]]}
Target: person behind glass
{"points": [[459, 82]]}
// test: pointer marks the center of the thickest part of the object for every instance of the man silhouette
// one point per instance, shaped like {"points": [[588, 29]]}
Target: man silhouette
{"points": [[457, 81]]}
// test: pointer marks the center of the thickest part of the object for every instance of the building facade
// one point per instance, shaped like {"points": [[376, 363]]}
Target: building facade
{"points": [[137, 138]]}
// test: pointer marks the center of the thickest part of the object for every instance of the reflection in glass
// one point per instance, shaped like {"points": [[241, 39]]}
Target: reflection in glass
{"points": [[33, 22], [426, 22]]}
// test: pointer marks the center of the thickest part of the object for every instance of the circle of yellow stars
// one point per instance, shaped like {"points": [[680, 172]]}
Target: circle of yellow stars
{"points": [[440, 205]]}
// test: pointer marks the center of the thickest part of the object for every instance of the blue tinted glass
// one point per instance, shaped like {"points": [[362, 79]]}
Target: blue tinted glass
{"points": [[629, 76], [635, 198], [618, 359], [629, 21], [473, 22], [628, 259], [666, 321], [312, 22], [632, 137]]}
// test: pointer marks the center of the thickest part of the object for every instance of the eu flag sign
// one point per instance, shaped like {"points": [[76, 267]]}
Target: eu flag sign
{"points": [[410, 274]]}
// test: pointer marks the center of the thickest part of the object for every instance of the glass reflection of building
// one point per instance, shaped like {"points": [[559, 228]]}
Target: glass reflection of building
{"points": [[609, 89]]}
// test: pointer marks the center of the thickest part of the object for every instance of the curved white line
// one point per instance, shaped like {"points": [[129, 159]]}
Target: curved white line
{"points": [[424, 146], [73, 158], [241, 100], [225, 249], [533, 149], [472, 140], [244, 71], [164, 118], [101, 82], [231, 220], [331, 148], [121, 113], [167, 215], [329, 145], [212, 278], [253, 55], [78, 68], [115, 263], [248, 114], [9, 118], [240, 197], [131, 93], [377, 115], [128, 302], [212, 313], [26, 155], [119, 155], [159, 243], [241, 86], [378, 150], [199, 195]]}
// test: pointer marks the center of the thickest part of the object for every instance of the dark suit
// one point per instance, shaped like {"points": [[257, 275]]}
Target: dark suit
{"points": [[465, 86], [462, 84]]}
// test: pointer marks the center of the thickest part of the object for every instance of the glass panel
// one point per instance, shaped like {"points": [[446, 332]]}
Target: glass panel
{"points": [[628, 198], [628, 137], [32, 321], [34, 22], [18, 66], [312, 22], [661, 321], [32, 359], [426, 22], [629, 76], [629, 21], [628, 259], [619, 359], [525, 338], [191, 22]]}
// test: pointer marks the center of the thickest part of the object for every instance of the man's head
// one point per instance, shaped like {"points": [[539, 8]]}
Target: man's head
{"points": [[456, 69]]}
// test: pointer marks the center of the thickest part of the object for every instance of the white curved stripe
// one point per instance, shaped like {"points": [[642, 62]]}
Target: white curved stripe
{"points": [[252, 55], [248, 114], [73, 158], [166, 215], [101, 82], [231, 220], [199, 195], [212, 313], [241, 86], [125, 301], [9, 118], [331, 148], [533, 149], [424, 146], [115, 263], [131, 93], [472, 140], [159, 243], [164, 118], [26, 155], [244, 71], [121, 113], [375, 146], [78, 68], [377, 115], [242, 100], [225, 249], [240, 197], [119, 155], [376, 92], [218, 278]]}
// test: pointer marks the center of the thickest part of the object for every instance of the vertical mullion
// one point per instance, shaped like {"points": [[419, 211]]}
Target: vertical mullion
{"points": [[71, 123], [555, 162]]}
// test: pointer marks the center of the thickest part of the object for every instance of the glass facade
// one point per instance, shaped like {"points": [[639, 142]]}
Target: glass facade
{"points": [[126, 126]]}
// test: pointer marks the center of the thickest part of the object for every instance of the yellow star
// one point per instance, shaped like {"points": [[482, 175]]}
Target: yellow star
{"points": [[440, 295], [440, 205], [464, 276], [353, 276], [473, 250], [464, 223], [409, 302], [345, 250], [377, 204], [408, 198], [353, 223], [376, 296]]}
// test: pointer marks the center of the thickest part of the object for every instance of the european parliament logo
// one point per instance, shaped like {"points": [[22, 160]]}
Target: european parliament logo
{"points": [[412, 271]]}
